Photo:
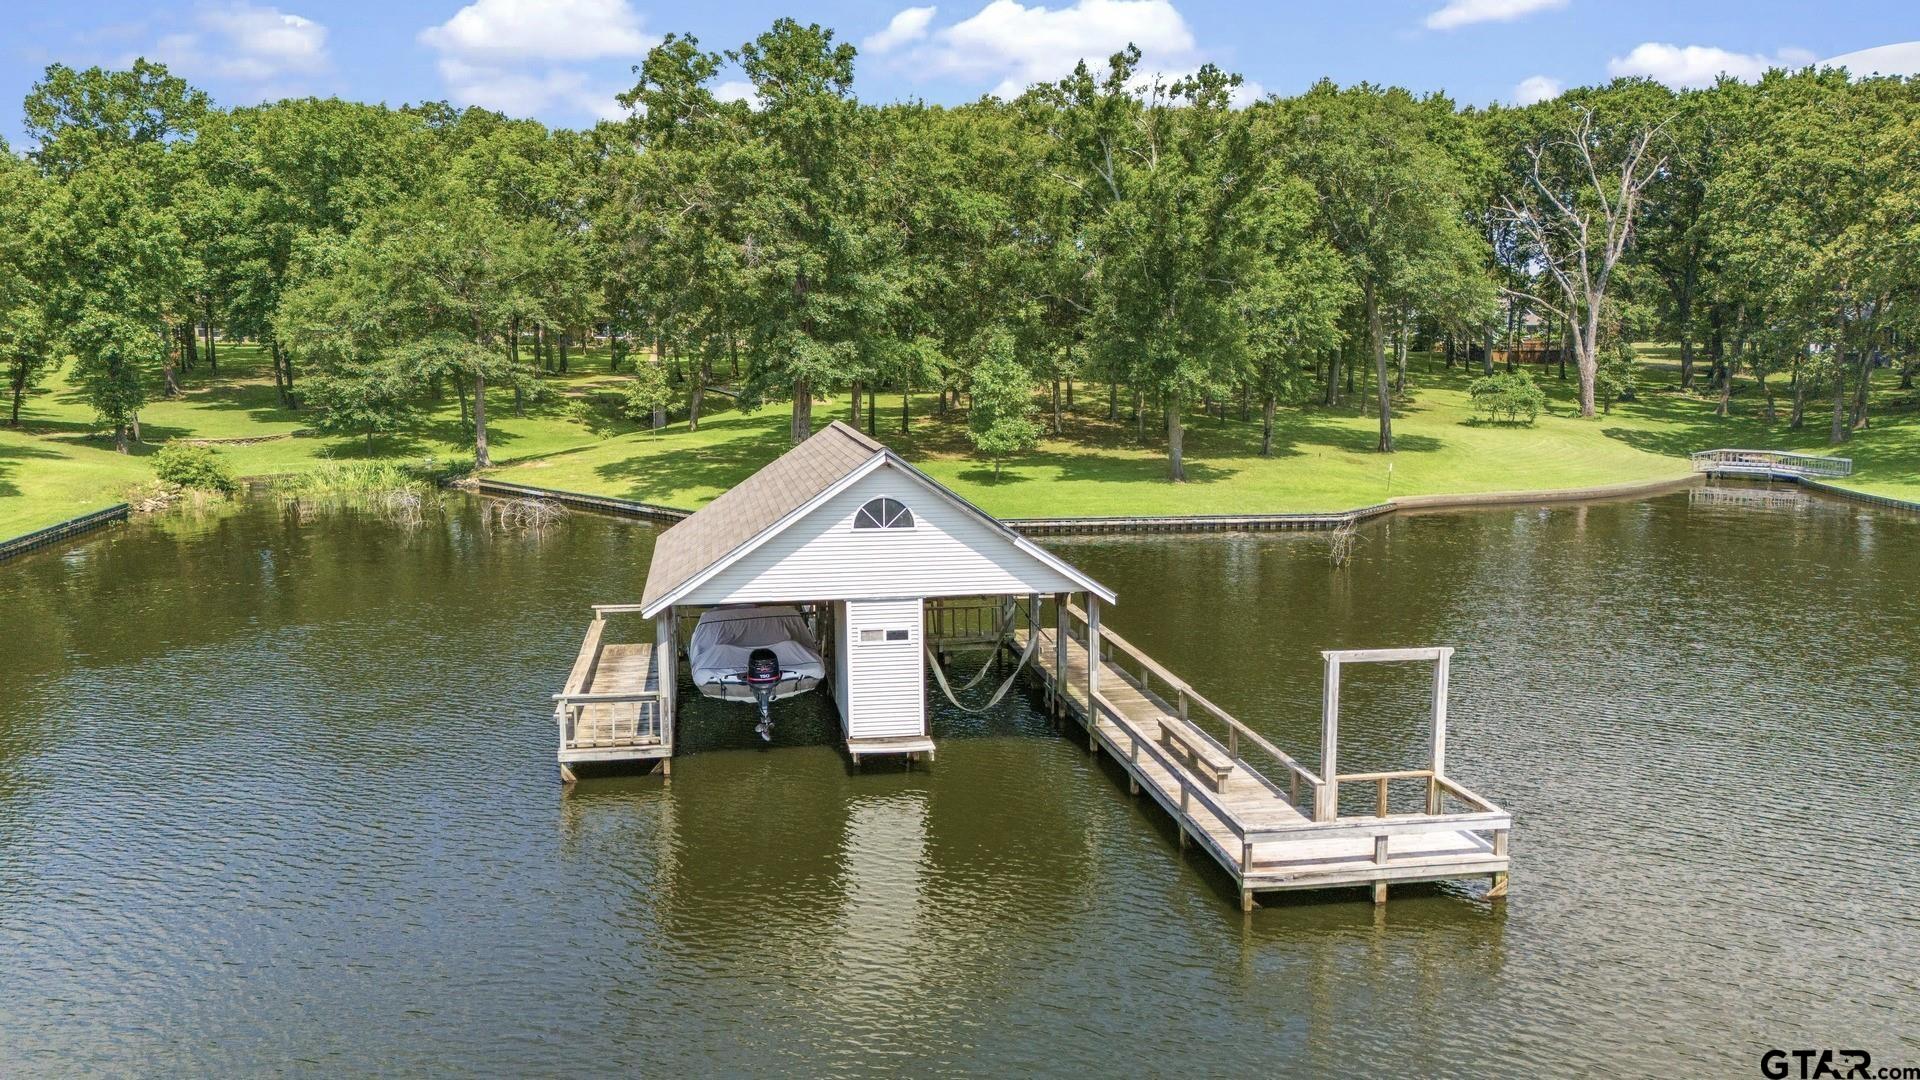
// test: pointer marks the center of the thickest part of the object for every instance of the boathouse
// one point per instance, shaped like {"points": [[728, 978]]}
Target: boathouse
{"points": [[891, 570], [844, 528]]}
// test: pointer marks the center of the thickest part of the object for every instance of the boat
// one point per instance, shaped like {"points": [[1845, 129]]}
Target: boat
{"points": [[755, 654]]}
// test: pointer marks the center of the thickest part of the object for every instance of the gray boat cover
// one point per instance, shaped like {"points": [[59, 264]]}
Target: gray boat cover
{"points": [[724, 638]]}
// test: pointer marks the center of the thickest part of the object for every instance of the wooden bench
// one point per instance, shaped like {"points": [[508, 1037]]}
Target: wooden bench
{"points": [[1205, 758]]}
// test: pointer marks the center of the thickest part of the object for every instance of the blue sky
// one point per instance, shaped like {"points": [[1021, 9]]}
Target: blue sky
{"points": [[562, 60]]}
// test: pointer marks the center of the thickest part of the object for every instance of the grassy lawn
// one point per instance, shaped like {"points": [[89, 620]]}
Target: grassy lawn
{"points": [[1323, 458], [59, 465]]}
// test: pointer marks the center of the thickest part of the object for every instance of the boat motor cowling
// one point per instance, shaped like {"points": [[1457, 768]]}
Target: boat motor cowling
{"points": [[763, 666]]}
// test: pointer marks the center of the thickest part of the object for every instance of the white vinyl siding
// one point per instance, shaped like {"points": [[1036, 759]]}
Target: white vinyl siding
{"points": [[947, 552], [886, 678]]}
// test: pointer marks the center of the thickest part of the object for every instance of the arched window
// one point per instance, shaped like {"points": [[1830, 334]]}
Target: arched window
{"points": [[884, 514]]}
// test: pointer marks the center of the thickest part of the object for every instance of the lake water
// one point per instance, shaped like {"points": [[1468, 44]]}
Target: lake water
{"points": [[280, 797]]}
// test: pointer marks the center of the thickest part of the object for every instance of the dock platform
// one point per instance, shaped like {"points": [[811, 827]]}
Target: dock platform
{"points": [[616, 705], [1771, 464], [1192, 758]]}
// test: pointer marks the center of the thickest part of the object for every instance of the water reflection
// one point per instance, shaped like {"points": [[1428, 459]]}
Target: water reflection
{"points": [[277, 793]]}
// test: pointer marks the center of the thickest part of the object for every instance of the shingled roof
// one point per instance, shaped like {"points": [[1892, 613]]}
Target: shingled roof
{"points": [[748, 509]]}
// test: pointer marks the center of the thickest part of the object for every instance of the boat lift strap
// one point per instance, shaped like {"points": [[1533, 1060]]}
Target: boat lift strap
{"points": [[1033, 643]]}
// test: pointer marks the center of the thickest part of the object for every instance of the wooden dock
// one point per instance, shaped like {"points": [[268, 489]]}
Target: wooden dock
{"points": [[1192, 758], [1770, 464], [617, 704]]}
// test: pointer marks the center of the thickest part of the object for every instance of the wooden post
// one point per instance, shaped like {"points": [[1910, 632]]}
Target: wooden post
{"points": [[1379, 892], [1093, 645], [1327, 807], [666, 661], [1498, 890], [1093, 671], [1060, 603], [1439, 766], [1246, 901]]}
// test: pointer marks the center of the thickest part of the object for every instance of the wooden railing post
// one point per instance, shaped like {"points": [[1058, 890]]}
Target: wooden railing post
{"points": [[1441, 679], [1059, 686], [1093, 647], [1327, 806], [1383, 798]]}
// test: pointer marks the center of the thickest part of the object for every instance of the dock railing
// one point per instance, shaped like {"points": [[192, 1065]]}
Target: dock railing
{"points": [[967, 621], [590, 720], [1179, 697], [1176, 696], [1770, 463]]}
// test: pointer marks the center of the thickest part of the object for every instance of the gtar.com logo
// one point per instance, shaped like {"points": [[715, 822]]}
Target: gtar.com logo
{"points": [[1826, 1065]]}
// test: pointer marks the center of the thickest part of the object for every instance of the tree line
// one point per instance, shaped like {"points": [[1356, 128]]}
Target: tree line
{"points": [[1145, 238]]}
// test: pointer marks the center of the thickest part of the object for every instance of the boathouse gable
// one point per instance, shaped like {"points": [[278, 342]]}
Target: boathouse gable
{"points": [[828, 554]]}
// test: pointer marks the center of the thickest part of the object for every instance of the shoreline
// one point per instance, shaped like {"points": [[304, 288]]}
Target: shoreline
{"points": [[1152, 524], [1141, 525]]}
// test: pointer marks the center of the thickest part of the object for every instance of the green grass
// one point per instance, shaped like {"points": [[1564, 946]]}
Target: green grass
{"points": [[60, 464], [1323, 458]]}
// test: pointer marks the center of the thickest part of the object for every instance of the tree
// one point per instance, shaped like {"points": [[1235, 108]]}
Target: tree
{"points": [[297, 174], [1170, 179], [1000, 419], [1585, 182], [677, 213], [431, 286], [1816, 211], [117, 255], [647, 394], [26, 271], [1390, 198], [802, 214], [75, 118]]}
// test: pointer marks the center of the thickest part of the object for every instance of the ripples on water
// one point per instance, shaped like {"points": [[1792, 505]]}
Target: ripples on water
{"points": [[281, 797]]}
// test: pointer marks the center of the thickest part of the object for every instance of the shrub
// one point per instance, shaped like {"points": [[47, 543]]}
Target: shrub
{"points": [[646, 392], [195, 467], [999, 416], [1617, 377], [1511, 396]]}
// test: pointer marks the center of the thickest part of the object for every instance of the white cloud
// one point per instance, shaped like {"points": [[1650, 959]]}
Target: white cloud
{"points": [[1023, 45], [1685, 66], [1902, 59], [249, 44], [518, 30], [1239, 97], [511, 55], [1537, 88], [1459, 13], [735, 90], [908, 26]]}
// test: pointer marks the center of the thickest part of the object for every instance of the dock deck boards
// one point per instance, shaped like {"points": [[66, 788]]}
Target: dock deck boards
{"points": [[615, 730], [1306, 862]]}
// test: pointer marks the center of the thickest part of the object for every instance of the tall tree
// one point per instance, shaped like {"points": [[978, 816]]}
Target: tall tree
{"points": [[431, 286], [27, 270], [118, 258], [77, 117], [803, 214], [1586, 179], [1390, 197]]}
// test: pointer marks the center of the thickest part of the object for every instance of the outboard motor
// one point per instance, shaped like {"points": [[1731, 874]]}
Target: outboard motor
{"points": [[763, 674]]}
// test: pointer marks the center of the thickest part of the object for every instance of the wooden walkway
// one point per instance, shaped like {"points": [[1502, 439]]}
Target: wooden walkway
{"points": [[1770, 464], [1261, 832], [614, 706]]}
